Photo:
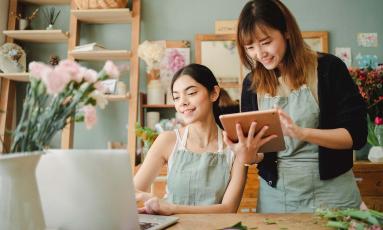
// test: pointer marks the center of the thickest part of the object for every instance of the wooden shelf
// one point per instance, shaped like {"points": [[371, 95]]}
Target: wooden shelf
{"points": [[47, 2], [103, 16], [45, 36], [20, 77], [118, 97], [101, 55], [157, 106]]}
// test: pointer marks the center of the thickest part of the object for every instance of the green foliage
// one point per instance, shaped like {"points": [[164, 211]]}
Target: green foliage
{"points": [[147, 135], [352, 218], [51, 15]]}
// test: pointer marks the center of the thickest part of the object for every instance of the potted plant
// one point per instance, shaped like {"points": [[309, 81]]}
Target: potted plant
{"points": [[51, 16], [24, 22], [370, 83], [54, 95]]}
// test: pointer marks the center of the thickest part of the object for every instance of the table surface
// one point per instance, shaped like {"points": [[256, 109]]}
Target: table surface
{"points": [[252, 221]]}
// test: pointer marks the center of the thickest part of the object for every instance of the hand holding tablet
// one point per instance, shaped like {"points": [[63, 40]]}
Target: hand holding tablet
{"points": [[268, 118]]}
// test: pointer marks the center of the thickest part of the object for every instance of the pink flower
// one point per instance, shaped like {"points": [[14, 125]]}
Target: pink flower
{"points": [[111, 69], [90, 118], [100, 87], [55, 80], [37, 69], [89, 75], [378, 121], [72, 68], [176, 61]]}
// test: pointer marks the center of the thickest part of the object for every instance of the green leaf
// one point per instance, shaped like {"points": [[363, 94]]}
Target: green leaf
{"points": [[237, 226], [269, 221]]}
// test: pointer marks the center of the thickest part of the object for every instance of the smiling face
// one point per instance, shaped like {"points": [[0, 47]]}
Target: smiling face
{"points": [[268, 48], [192, 100]]}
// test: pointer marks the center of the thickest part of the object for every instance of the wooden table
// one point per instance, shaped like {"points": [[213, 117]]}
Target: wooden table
{"points": [[258, 221]]}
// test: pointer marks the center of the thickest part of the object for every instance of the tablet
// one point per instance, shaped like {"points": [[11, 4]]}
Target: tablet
{"points": [[262, 118]]}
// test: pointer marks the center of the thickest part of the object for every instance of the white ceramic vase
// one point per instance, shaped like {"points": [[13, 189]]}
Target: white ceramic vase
{"points": [[376, 154], [155, 94], [20, 206]]}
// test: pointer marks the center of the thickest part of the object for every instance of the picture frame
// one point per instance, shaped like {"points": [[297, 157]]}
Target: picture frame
{"points": [[317, 40], [219, 53]]}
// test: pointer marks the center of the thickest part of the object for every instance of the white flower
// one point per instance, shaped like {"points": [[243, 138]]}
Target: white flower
{"points": [[152, 53], [100, 98]]}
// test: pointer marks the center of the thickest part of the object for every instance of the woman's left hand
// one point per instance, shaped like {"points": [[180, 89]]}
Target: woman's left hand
{"points": [[157, 206], [289, 128]]}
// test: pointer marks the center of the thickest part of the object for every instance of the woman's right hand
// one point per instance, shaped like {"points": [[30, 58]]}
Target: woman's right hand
{"points": [[246, 149]]}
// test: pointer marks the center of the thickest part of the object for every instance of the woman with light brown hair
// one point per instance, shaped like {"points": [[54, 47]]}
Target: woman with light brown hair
{"points": [[323, 117]]}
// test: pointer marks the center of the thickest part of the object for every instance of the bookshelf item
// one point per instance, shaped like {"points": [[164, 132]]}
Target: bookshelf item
{"points": [[89, 47]]}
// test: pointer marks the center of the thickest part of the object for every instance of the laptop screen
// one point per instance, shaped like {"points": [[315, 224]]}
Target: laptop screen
{"points": [[87, 189]]}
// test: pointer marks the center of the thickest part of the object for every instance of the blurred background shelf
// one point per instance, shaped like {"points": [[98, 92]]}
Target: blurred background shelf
{"points": [[103, 16], [43, 36], [101, 55], [20, 77]]}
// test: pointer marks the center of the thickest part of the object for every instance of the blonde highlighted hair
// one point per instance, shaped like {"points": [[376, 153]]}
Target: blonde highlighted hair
{"points": [[299, 60]]}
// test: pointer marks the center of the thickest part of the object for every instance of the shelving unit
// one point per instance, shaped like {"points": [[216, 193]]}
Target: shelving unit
{"points": [[162, 106], [44, 36], [118, 97], [109, 16], [103, 16], [9, 80], [101, 55], [19, 77]]}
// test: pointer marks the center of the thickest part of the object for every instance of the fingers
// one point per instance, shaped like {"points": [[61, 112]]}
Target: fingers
{"points": [[251, 134], [241, 137], [261, 133], [267, 139]]}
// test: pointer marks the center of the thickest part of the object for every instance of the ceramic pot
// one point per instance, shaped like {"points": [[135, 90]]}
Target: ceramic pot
{"points": [[376, 154], [20, 206]]}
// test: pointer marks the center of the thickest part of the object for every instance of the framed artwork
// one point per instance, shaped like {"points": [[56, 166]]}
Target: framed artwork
{"points": [[177, 55], [317, 40], [219, 53]]}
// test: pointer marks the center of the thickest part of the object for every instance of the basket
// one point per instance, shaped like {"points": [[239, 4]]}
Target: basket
{"points": [[100, 4]]}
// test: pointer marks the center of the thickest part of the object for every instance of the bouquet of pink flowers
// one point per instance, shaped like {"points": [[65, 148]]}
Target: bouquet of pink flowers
{"points": [[370, 84], [56, 94]]}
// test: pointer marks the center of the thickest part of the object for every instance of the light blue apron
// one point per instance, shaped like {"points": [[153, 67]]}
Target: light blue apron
{"points": [[299, 188], [198, 178]]}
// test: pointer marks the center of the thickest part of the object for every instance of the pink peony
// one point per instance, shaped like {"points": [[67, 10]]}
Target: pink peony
{"points": [[111, 69], [55, 80], [90, 118], [378, 121], [37, 69]]}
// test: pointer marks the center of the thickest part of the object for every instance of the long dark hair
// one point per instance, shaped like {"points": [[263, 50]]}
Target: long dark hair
{"points": [[299, 59], [203, 76]]}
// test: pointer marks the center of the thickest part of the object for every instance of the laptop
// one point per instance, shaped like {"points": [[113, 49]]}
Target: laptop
{"points": [[91, 189]]}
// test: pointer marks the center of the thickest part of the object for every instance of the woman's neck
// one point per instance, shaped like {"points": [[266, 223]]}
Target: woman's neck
{"points": [[203, 134]]}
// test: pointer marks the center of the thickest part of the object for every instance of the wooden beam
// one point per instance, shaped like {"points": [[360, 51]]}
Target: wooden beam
{"points": [[74, 34], [8, 92], [134, 81]]}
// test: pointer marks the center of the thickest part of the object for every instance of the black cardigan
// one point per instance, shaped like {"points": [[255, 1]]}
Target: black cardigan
{"points": [[340, 105]]}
